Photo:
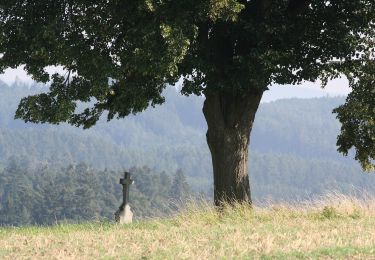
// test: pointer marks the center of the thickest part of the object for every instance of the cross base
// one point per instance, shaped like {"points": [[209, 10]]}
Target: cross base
{"points": [[124, 215]]}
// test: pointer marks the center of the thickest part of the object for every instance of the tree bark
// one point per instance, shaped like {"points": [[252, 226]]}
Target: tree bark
{"points": [[230, 118]]}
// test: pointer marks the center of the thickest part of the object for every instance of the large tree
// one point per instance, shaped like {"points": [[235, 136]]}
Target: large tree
{"points": [[119, 55]]}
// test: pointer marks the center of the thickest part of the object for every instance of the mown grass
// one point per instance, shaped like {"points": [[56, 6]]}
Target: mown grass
{"points": [[335, 227]]}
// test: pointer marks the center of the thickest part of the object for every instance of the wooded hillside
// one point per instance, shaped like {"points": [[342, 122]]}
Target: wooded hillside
{"points": [[293, 147]]}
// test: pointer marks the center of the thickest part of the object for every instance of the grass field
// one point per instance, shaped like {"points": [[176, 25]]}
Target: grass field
{"points": [[336, 227]]}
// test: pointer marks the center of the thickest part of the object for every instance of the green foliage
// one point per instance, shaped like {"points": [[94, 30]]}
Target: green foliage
{"points": [[357, 117], [180, 190], [78, 193], [329, 212], [226, 10], [119, 65]]}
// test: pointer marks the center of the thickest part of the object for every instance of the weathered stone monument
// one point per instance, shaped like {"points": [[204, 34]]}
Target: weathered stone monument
{"points": [[124, 215]]}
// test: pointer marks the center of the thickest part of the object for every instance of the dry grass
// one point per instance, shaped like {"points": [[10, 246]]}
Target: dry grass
{"points": [[334, 227]]}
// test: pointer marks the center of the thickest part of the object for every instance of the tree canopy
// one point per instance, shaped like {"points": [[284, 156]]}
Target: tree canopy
{"points": [[120, 55]]}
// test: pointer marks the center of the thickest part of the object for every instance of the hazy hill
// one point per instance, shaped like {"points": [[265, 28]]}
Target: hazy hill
{"points": [[293, 151]]}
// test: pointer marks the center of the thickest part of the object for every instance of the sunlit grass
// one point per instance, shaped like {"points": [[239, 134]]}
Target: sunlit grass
{"points": [[335, 226]]}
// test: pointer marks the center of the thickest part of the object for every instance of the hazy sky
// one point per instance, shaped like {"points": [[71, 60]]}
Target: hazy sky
{"points": [[336, 87]]}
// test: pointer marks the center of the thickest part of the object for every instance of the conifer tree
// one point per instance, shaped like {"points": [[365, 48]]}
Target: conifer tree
{"points": [[179, 191]]}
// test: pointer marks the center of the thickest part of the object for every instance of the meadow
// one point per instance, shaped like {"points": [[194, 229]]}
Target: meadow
{"points": [[332, 227]]}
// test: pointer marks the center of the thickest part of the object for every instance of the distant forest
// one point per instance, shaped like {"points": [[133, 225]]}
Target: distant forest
{"points": [[43, 196], [293, 157]]}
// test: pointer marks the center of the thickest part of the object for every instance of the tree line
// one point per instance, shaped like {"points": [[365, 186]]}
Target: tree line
{"points": [[76, 193], [293, 147]]}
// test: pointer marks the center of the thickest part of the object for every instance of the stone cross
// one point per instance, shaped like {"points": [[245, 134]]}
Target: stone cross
{"points": [[124, 215], [126, 182]]}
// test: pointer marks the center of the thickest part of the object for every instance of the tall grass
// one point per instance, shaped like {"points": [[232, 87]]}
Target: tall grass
{"points": [[333, 226]]}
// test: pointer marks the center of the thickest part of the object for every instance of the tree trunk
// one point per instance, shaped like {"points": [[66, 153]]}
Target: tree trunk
{"points": [[230, 118]]}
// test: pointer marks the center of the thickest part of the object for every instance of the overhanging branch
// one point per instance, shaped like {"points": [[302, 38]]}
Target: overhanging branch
{"points": [[296, 7]]}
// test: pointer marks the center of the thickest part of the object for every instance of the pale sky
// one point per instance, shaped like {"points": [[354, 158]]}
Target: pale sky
{"points": [[10, 75], [338, 87]]}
